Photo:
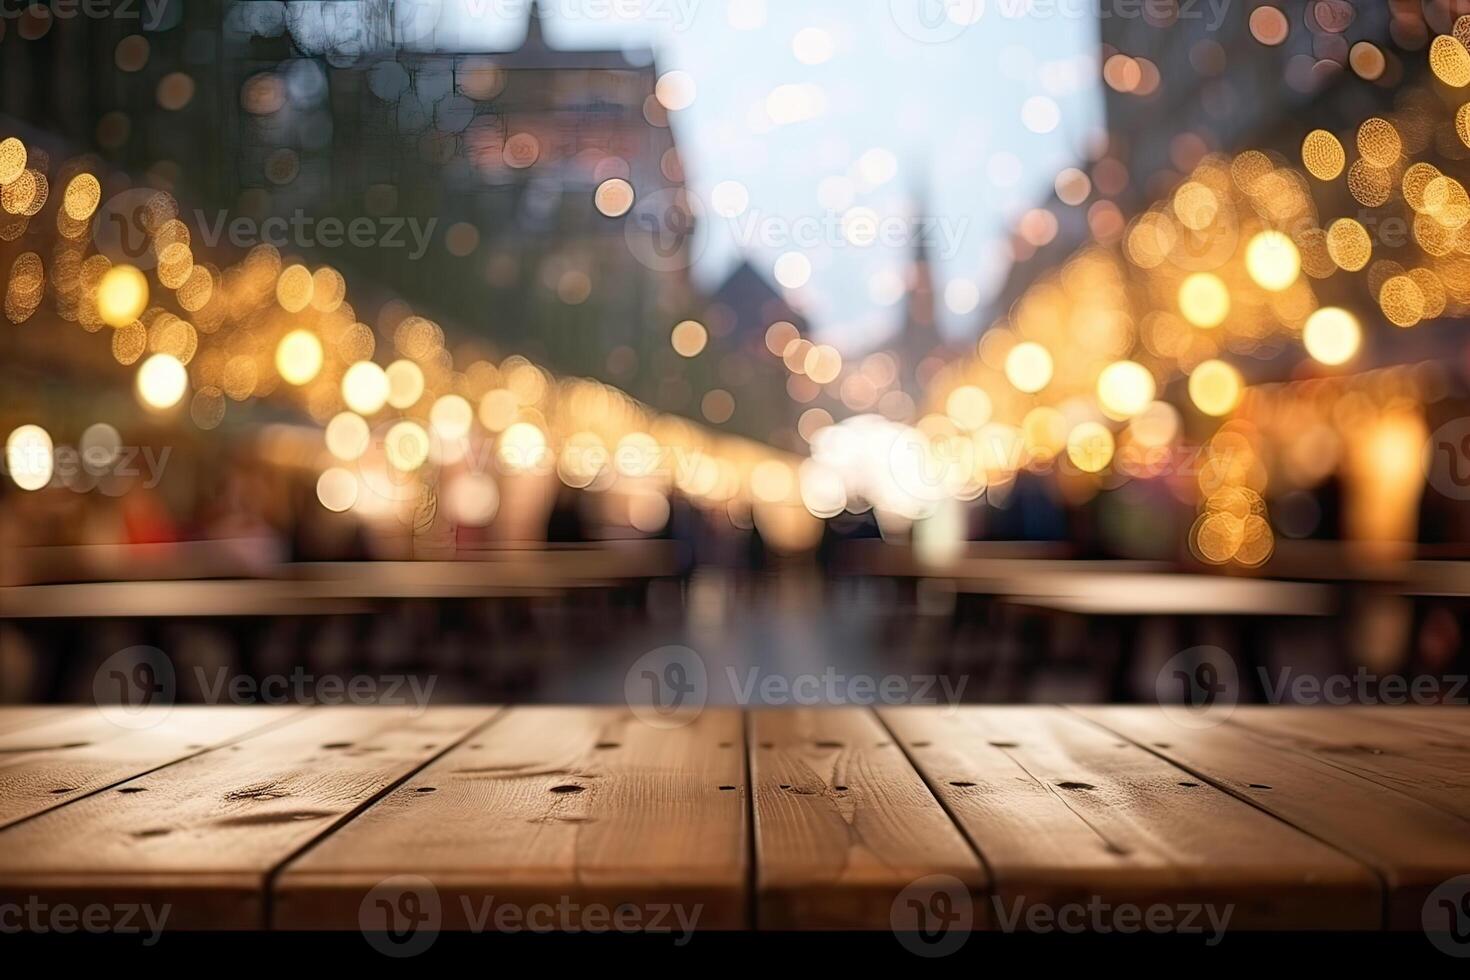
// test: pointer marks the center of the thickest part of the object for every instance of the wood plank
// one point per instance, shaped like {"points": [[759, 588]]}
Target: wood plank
{"points": [[202, 835], [28, 716], [1170, 594], [1063, 813], [587, 806], [1445, 720], [1413, 845], [80, 751], [172, 599], [843, 823], [1419, 762]]}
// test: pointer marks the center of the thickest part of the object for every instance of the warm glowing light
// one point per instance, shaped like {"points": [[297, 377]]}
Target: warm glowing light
{"points": [[779, 335], [793, 270], [82, 196], [521, 448], [822, 364], [336, 489], [122, 295], [1449, 61], [1044, 430], [1323, 155], [675, 90], [405, 383], [1348, 244], [1090, 447], [968, 407], [1125, 388], [299, 357], [12, 159], [472, 499], [1332, 335], [294, 288], [365, 387], [689, 338], [772, 481], [29, 457], [1272, 260], [498, 409], [348, 436], [451, 416], [1204, 300], [614, 197], [1215, 387], [161, 381], [406, 446], [1028, 367]]}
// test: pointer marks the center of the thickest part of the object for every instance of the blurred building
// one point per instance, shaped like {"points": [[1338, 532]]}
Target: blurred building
{"points": [[1182, 81], [491, 181]]}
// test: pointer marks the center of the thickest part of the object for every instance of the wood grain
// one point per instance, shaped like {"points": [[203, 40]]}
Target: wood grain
{"points": [[27, 715], [1065, 814], [1412, 845], [202, 835], [1429, 765], [843, 823], [72, 752], [572, 807]]}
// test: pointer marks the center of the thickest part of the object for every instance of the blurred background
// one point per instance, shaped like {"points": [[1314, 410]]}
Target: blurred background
{"points": [[996, 350]]}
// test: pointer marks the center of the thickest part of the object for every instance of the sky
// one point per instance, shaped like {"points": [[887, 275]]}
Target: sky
{"points": [[817, 127]]}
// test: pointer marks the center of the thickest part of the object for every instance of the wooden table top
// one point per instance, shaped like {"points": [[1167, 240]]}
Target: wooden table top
{"points": [[332, 588], [1170, 594], [293, 818]]}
